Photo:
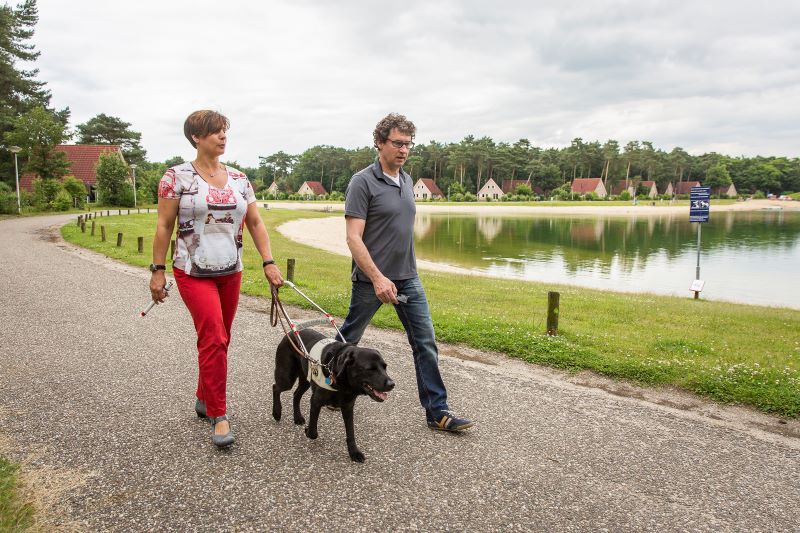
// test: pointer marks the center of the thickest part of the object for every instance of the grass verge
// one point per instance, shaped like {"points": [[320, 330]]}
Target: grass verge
{"points": [[729, 352], [14, 514]]}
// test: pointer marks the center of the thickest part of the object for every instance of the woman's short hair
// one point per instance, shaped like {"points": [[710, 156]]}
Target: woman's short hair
{"points": [[204, 122], [390, 122]]}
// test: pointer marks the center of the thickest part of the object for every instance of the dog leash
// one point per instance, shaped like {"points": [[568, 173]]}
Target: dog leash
{"points": [[277, 313]]}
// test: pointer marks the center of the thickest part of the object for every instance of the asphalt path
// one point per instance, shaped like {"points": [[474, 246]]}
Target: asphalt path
{"points": [[91, 391]]}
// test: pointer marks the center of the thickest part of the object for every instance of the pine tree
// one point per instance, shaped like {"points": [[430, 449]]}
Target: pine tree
{"points": [[19, 90]]}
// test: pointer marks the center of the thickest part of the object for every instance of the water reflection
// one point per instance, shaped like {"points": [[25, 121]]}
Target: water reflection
{"points": [[745, 256]]}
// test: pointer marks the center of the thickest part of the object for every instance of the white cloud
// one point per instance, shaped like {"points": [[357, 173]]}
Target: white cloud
{"points": [[712, 75]]}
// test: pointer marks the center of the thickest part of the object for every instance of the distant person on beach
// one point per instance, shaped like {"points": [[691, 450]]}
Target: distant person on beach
{"points": [[379, 212], [208, 254]]}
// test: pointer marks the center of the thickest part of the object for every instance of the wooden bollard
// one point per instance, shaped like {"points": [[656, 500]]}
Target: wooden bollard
{"points": [[80, 219], [129, 211], [290, 270], [172, 248], [83, 227], [140, 244], [103, 233], [120, 212], [108, 213], [92, 228], [119, 240], [552, 312]]}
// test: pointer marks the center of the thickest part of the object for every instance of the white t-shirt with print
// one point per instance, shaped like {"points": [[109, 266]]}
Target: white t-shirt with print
{"points": [[210, 220]]}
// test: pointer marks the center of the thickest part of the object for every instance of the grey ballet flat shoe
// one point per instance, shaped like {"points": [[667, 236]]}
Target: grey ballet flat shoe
{"points": [[221, 441], [200, 409]]}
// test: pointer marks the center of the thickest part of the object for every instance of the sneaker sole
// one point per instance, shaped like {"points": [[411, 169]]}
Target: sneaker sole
{"points": [[452, 430]]}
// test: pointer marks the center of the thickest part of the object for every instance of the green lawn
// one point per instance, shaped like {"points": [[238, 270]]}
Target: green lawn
{"points": [[729, 352], [14, 514]]}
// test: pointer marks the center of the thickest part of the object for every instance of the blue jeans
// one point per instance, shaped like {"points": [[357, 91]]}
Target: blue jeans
{"points": [[416, 318]]}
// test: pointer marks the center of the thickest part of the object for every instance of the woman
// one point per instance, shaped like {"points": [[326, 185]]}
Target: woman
{"points": [[212, 204]]}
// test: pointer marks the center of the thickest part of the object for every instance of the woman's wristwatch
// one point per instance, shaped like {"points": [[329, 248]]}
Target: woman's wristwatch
{"points": [[154, 267], [268, 262]]}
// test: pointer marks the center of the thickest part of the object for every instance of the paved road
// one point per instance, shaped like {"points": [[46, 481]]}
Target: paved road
{"points": [[97, 394]]}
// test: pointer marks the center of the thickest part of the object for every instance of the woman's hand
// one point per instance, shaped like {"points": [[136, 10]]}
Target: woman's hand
{"points": [[273, 274], [158, 280]]}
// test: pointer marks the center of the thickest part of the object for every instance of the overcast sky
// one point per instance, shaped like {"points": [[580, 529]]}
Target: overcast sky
{"points": [[709, 75]]}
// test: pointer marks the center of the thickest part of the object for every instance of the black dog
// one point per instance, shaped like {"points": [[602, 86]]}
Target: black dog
{"points": [[354, 370]]}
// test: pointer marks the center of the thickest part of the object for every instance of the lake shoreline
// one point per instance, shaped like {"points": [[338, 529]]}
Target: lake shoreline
{"points": [[328, 234], [499, 208]]}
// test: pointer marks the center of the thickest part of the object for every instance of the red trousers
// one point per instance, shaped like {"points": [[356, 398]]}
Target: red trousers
{"points": [[212, 303]]}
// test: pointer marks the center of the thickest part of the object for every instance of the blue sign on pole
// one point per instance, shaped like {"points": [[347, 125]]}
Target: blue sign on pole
{"points": [[699, 204]]}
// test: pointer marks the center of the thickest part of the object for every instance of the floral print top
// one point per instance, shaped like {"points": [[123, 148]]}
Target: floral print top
{"points": [[210, 220]]}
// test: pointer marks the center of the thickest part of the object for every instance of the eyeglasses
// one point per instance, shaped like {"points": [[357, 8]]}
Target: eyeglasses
{"points": [[400, 144]]}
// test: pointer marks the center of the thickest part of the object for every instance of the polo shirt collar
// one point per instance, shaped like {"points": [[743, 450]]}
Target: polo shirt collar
{"points": [[377, 171]]}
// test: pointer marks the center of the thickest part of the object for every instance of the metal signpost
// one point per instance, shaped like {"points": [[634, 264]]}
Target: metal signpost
{"points": [[699, 206]]}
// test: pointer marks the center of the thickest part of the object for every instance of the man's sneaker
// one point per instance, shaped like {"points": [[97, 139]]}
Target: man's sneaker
{"points": [[450, 422]]}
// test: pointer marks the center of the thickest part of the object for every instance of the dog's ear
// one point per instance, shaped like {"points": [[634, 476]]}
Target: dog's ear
{"points": [[344, 359]]}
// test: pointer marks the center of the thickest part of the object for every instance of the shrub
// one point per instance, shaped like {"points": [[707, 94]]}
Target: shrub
{"points": [[63, 201], [457, 197], [8, 203], [759, 195], [624, 196], [76, 190], [469, 197]]}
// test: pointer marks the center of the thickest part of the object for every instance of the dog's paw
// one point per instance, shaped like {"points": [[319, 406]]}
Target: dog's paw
{"points": [[357, 456], [311, 434], [299, 420]]}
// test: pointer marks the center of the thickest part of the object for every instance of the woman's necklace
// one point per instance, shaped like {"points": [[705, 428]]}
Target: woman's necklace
{"points": [[210, 174]]}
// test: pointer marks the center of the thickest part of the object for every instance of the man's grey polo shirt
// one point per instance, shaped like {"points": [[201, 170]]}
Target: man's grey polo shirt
{"points": [[389, 213]]}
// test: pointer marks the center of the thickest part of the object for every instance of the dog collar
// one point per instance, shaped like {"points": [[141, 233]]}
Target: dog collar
{"points": [[315, 372]]}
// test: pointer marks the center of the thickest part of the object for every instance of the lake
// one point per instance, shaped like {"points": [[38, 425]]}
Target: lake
{"points": [[746, 257]]}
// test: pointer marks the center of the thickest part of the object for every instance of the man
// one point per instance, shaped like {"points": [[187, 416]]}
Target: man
{"points": [[379, 211]]}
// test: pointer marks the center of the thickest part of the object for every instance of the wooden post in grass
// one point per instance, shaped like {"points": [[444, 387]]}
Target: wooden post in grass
{"points": [[552, 312], [140, 244], [290, 270], [108, 213], [172, 248], [120, 212], [92, 228], [83, 227], [80, 219], [119, 240], [102, 233]]}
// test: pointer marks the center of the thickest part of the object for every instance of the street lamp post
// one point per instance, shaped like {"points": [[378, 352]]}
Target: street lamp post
{"points": [[133, 168], [15, 150]]}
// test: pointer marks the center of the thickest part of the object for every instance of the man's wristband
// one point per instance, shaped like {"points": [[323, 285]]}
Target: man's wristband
{"points": [[154, 267], [268, 262]]}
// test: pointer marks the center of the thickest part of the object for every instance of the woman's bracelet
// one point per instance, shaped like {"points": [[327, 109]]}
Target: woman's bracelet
{"points": [[268, 262]]}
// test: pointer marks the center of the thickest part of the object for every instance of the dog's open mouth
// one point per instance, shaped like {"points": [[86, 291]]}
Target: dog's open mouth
{"points": [[376, 395]]}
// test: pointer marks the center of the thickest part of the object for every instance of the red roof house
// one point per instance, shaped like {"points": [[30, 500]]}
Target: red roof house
{"points": [[587, 185], [311, 188], [83, 159], [685, 187], [427, 188]]}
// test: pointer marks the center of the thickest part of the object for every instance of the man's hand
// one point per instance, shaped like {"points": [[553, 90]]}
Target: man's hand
{"points": [[385, 290]]}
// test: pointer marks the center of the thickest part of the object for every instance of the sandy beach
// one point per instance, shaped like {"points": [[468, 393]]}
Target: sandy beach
{"points": [[329, 233]]}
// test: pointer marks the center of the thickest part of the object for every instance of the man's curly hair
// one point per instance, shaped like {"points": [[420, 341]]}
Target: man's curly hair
{"points": [[389, 122]]}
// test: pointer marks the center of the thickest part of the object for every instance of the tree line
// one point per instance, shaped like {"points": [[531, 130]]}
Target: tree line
{"points": [[467, 165]]}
